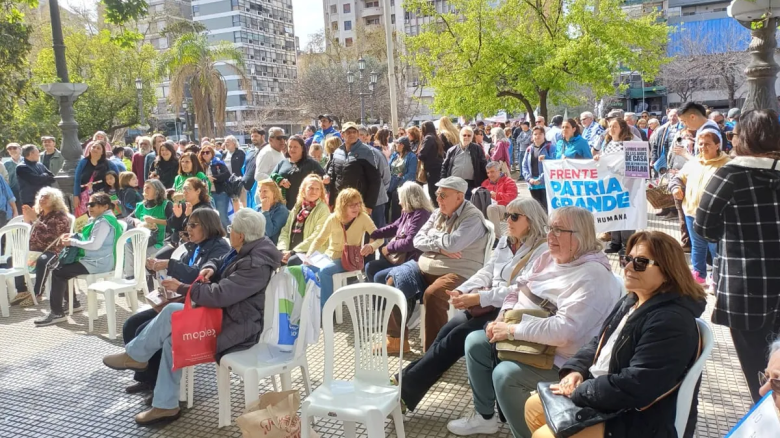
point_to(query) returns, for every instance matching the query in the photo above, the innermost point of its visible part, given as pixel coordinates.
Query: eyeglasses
(775, 383)
(640, 263)
(192, 224)
(730, 135)
(441, 195)
(557, 231)
(186, 189)
(514, 216)
(207, 153)
(92, 204)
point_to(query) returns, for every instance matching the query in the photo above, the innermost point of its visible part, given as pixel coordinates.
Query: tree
(109, 104)
(322, 79)
(192, 64)
(487, 55)
(14, 48)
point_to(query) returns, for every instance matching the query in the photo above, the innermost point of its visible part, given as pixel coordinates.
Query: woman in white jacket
(481, 296)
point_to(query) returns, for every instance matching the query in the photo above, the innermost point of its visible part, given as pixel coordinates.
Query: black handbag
(234, 185)
(564, 417)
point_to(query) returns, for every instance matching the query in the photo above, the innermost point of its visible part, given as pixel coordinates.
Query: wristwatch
(510, 332)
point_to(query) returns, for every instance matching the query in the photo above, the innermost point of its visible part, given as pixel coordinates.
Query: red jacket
(505, 188)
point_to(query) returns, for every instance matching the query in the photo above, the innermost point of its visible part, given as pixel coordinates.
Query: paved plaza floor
(53, 383)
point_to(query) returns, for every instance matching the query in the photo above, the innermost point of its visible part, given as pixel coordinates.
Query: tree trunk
(543, 104)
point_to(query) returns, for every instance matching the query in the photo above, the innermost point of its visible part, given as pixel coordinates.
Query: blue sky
(307, 15)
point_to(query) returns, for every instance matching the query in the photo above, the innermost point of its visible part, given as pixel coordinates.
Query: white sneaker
(473, 424)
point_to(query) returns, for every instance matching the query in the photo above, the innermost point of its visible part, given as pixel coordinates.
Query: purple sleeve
(406, 244)
(388, 230)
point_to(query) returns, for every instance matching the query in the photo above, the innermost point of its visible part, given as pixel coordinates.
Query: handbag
(566, 419)
(194, 333)
(421, 177)
(396, 258)
(351, 259)
(529, 353)
(274, 415)
(234, 185)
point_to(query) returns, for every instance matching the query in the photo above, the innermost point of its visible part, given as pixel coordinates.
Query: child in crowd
(316, 152)
(112, 187)
(127, 195)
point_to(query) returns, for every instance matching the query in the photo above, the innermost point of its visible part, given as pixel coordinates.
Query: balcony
(370, 12)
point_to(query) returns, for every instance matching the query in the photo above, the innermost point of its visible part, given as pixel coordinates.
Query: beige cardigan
(332, 232)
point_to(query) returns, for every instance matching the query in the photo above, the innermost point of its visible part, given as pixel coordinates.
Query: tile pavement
(53, 384)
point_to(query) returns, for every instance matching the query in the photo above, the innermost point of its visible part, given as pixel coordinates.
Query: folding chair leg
(111, 313)
(286, 379)
(223, 394)
(71, 293)
(251, 391)
(30, 287)
(190, 385)
(4, 304)
(306, 381)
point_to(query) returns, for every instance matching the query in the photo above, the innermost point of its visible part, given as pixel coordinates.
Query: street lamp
(139, 86)
(761, 18)
(373, 77)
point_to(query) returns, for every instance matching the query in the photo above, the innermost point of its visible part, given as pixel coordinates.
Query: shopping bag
(194, 333)
(274, 415)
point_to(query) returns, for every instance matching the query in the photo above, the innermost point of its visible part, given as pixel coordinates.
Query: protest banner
(761, 422)
(637, 159)
(617, 202)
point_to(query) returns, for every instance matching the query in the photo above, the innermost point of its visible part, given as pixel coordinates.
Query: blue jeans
(157, 336)
(222, 202)
(377, 270)
(378, 215)
(326, 279)
(699, 248)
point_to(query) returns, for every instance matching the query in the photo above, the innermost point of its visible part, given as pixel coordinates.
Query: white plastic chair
(339, 281)
(16, 220)
(17, 246)
(488, 254)
(139, 238)
(685, 391)
(187, 385)
(370, 397)
(263, 361)
(72, 220)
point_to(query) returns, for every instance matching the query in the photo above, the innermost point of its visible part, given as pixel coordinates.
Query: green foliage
(110, 102)
(516, 54)
(121, 11)
(14, 49)
(178, 28)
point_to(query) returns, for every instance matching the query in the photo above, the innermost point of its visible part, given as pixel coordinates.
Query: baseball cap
(454, 183)
(325, 116)
(47, 137)
(349, 125)
(734, 112)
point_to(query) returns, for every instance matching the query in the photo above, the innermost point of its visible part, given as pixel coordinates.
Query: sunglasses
(514, 216)
(774, 383)
(93, 204)
(640, 263)
(192, 224)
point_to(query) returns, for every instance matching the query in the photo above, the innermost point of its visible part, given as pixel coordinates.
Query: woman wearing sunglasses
(643, 351)
(218, 173)
(480, 297)
(562, 300)
(96, 255)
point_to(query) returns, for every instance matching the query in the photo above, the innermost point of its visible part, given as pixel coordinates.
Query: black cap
(325, 116)
(404, 141)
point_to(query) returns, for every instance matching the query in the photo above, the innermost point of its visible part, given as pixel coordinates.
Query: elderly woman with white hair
(770, 378)
(480, 297)
(236, 283)
(49, 220)
(559, 304)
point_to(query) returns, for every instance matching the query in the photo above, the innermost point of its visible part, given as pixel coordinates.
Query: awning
(636, 93)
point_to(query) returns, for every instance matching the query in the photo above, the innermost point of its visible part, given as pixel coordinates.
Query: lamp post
(139, 88)
(65, 93)
(761, 18)
(187, 119)
(372, 79)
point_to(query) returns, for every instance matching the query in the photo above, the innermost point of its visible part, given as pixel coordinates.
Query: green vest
(157, 212)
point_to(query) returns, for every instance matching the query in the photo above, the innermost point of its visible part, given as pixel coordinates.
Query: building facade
(263, 30)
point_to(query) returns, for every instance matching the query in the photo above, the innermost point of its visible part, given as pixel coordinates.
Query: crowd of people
(611, 343)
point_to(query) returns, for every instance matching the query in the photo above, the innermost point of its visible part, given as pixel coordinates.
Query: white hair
(498, 133)
(56, 199)
(631, 116)
(651, 121)
(533, 211)
(231, 138)
(412, 197)
(583, 223)
(715, 114)
(250, 223)
(492, 164)
(586, 115)
(775, 347)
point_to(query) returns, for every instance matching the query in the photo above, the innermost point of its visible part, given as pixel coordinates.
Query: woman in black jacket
(291, 171)
(644, 351)
(218, 173)
(196, 196)
(166, 166)
(431, 155)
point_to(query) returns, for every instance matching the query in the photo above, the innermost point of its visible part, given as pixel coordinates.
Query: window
(348, 42)
(334, 25)
(348, 25)
(372, 21)
(347, 8)
(334, 9)
(392, 18)
(372, 4)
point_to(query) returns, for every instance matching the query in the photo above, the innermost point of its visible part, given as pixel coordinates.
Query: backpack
(481, 200)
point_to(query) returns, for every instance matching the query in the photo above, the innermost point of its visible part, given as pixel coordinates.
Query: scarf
(86, 232)
(300, 219)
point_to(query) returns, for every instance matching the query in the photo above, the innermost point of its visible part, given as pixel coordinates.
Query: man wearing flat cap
(327, 129)
(354, 165)
(453, 242)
